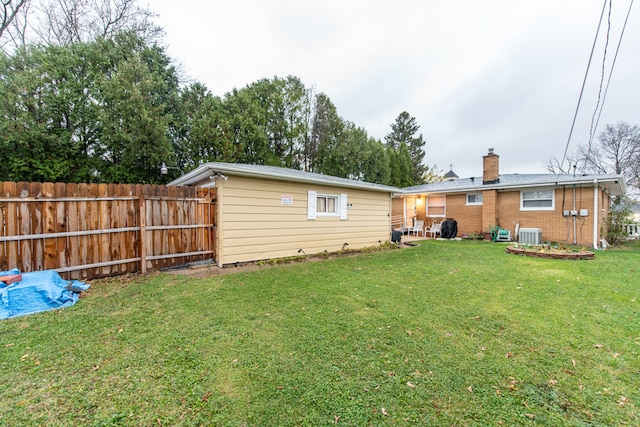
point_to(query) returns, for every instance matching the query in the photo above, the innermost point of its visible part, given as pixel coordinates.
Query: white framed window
(327, 205)
(474, 199)
(319, 205)
(537, 200)
(436, 206)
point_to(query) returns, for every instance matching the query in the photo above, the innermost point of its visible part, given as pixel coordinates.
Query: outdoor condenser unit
(530, 236)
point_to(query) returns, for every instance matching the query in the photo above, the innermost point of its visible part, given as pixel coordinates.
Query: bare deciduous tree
(10, 9)
(553, 165)
(63, 22)
(616, 152)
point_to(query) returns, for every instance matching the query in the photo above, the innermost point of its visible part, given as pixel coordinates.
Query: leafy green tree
(134, 139)
(48, 119)
(375, 164)
(201, 130)
(432, 174)
(281, 107)
(86, 112)
(326, 133)
(615, 226)
(404, 130)
(400, 166)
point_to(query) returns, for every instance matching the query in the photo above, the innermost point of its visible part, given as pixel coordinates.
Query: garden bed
(540, 252)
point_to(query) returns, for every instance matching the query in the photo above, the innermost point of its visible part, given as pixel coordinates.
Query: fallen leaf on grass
(574, 363)
(530, 416)
(598, 346)
(336, 418)
(410, 384)
(384, 412)
(206, 396)
(508, 355)
(552, 382)
(622, 400)
(470, 389)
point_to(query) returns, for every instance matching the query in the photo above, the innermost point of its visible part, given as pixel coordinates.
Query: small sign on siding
(286, 199)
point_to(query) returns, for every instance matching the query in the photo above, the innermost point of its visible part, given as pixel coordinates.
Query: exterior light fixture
(164, 169)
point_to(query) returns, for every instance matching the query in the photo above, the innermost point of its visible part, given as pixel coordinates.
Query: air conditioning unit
(530, 236)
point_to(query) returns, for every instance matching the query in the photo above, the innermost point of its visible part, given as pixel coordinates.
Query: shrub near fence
(86, 231)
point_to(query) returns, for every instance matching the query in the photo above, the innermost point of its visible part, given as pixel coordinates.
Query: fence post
(143, 247)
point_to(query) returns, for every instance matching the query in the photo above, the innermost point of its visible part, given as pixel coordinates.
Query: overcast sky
(505, 74)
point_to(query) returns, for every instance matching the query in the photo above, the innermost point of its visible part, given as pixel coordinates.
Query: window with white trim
(474, 199)
(436, 206)
(326, 205)
(537, 200)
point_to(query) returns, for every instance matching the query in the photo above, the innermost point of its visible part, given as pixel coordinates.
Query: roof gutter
(203, 172)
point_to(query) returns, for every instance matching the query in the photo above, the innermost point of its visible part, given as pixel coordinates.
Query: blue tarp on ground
(38, 291)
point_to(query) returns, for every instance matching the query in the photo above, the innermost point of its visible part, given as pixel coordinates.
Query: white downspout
(575, 217)
(595, 213)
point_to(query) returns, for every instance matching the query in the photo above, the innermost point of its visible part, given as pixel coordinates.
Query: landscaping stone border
(548, 254)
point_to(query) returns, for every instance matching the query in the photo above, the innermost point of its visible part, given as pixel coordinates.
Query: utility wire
(602, 73)
(584, 82)
(613, 63)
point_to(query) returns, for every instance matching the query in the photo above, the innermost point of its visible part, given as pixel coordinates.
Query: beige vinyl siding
(255, 225)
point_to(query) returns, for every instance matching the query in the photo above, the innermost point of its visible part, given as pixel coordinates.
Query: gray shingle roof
(614, 183)
(202, 173)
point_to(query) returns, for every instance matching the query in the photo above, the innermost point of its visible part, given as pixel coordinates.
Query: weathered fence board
(86, 231)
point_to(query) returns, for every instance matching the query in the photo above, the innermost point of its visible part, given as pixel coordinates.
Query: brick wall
(502, 208)
(555, 227)
(469, 218)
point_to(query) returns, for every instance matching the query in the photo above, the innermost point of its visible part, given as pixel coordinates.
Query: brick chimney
(490, 168)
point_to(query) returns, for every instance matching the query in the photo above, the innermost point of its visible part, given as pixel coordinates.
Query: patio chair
(433, 229)
(418, 227)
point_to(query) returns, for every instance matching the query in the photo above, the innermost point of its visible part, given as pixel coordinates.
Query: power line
(584, 82)
(613, 63)
(602, 73)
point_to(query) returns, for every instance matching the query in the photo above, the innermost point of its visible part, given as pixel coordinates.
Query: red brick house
(563, 208)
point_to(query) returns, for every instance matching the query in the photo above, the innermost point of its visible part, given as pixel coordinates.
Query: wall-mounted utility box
(584, 212)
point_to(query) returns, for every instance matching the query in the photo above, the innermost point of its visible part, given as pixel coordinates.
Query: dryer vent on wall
(530, 236)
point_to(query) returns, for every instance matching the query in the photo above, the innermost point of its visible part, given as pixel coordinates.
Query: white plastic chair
(434, 228)
(418, 227)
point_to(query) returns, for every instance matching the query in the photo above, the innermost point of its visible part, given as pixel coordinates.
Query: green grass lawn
(446, 333)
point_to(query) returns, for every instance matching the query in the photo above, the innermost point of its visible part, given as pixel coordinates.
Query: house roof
(613, 184)
(451, 175)
(204, 172)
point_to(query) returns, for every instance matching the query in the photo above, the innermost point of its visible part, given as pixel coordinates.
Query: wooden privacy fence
(85, 231)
